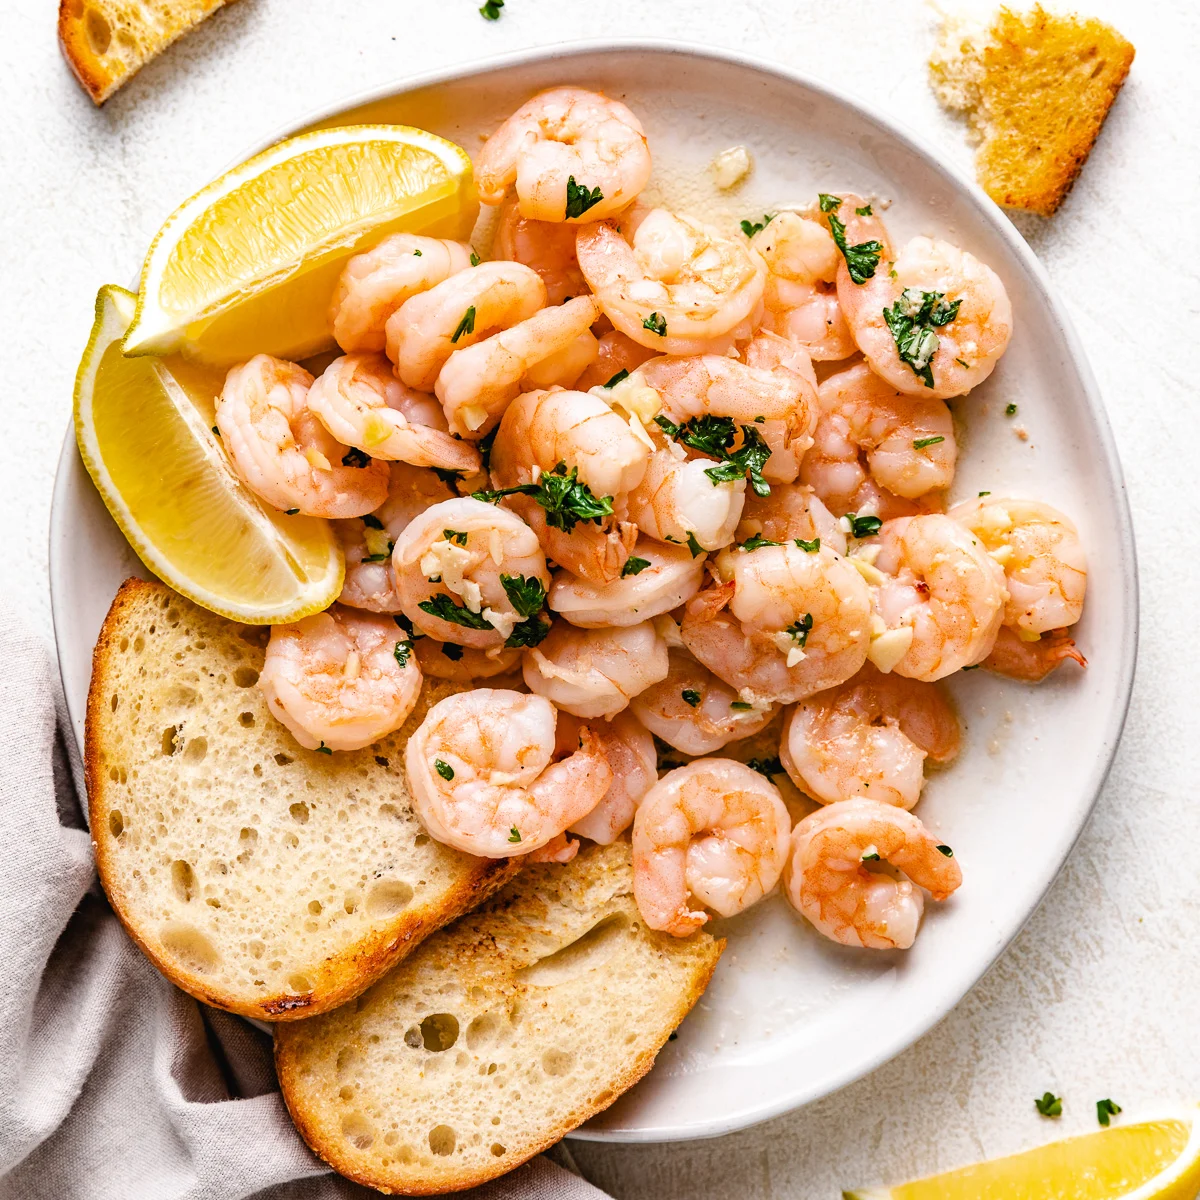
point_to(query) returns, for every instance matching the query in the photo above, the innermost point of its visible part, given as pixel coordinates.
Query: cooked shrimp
(791, 511)
(483, 778)
(460, 311)
(829, 880)
(927, 282)
(656, 579)
(614, 353)
(798, 622)
(630, 752)
(565, 436)
(780, 405)
(595, 672)
(941, 601)
(340, 679)
(869, 737)
(1031, 662)
(548, 247)
(800, 295)
(873, 442)
(679, 288)
(468, 572)
(574, 156)
(713, 832)
(367, 542)
(694, 711)
(361, 403)
(1045, 569)
(478, 383)
(374, 284)
(283, 453)
(464, 664)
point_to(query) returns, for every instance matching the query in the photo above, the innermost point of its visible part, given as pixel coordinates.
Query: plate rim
(1126, 552)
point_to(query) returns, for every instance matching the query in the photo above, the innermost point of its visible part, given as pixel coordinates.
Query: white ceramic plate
(790, 1017)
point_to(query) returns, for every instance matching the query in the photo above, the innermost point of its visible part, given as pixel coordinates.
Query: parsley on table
(690, 696)
(811, 547)
(863, 527)
(1049, 1105)
(756, 542)
(356, 458)
(491, 10)
(912, 320)
(1105, 1110)
(559, 492)
(766, 766)
(444, 608)
(799, 630)
(750, 228)
(634, 566)
(525, 594)
(921, 443)
(621, 374)
(444, 769)
(466, 325)
(402, 651)
(579, 199)
(861, 259)
(656, 323)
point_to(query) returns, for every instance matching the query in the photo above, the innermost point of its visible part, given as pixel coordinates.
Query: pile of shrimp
(643, 484)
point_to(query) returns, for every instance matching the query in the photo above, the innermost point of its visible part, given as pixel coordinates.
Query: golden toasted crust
(335, 969)
(557, 998)
(107, 41)
(1037, 88)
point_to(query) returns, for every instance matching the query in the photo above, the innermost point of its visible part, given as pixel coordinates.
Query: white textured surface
(1097, 997)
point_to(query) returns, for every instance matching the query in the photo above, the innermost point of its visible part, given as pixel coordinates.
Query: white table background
(1099, 996)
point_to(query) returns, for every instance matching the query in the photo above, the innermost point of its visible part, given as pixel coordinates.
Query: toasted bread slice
(498, 1035)
(106, 41)
(262, 878)
(1036, 88)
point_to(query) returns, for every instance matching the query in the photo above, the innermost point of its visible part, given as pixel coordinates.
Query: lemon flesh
(144, 427)
(1152, 1160)
(248, 264)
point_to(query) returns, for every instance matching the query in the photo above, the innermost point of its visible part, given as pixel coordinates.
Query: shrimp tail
(560, 849)
(706, 605)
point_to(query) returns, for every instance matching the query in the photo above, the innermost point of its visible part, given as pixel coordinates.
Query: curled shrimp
(548, 438)
(873, 443)
(800, 294)
(694, 711)
(367, 541)
(340, 679)
(941, 601)
(829, 877)
(679, 288)
(713, 832)
(464, 664)
(547, 247)
(789, 622)
(481, 771)
(458, 312)
(614, 353)
(374, 284)
(283, 453)
(1031, 662)
(479, 382)
(1045, 569)
(779, 405)
(630, 752)
(595, 672)
(661, 578)
(959, 354)
(561, 143)
(869, 737)
(467, 572)
(361, 403)
(791, 511)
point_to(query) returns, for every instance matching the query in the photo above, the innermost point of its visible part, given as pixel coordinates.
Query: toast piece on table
(498, 1035)
(1036, 88)
(261, 877)
(107, 41)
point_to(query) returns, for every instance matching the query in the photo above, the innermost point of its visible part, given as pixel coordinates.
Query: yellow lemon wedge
(1154, 1159)
(249, 263)
(145, 431)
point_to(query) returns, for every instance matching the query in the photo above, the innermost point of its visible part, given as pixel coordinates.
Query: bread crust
(338, 978)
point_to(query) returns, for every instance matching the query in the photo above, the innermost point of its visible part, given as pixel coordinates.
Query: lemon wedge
(248, 264)
(144, 427)
(1156, 1159)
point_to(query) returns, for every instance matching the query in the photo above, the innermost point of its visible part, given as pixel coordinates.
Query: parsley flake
(324, 749)
(963, 364)
(634, 566)
(474, 259)
(444, 608)
(491, 10)
(861, 259)
(865, 211)
(985, 493)
(528, 633)
(356, 458)
(1048, 1104)
(946, 851)
(452, 652)
(466, 325)
(526, 595)
(694, 546)
(912, 320)
(690, 696)
(457, 536)
(579, 199)
(871, 855)
(750, 228)
(402, 651)
(756, 542)
(371, 521)
(800, 629)
(621, 374)
(216, 431)
(921, 443)
(290, 512)
(448, 477)
(863, 527)
(417, 254)
(559, 492)
(667, 426)
(765, 766)
(444, 769)
(1106, 1110)
(811, 547)
(1010, 410)
(380, 557)
(656, 323)
(514, 834)
(740, 706)
(485, 444)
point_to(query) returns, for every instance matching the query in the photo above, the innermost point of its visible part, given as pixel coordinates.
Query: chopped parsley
(371, 521)
(667, 426)
(750, 228)
(579, 199)
(1010, 410)
(417, 254)
(528, 633)
(963, 364)
(381, 557)
(690, 696)
(452, 652)
(290, 512)
(216, 431)
(356, 458)
(485, 444)
(444, 608)
(406, 625)
(448, 477)
(1049, 1105)
(863, 527)
(324, 749)
(921, 443)
(559, 492)
(912, 320)
(870, 855)
(756, 542)
(865, 211)
(799, 630)
(693, 545)
(444, 769)
(740, 705)
(973, 667)
(946, 851)
(457, 536)
(861, 259)
(656, 323)
(526, 595)
(402, 651)
(474, 258)
(765, 766)
(985, 493)
(514, 834)
(715, 436)
(621, 374)
(634, 566)
(747, 461)
(491, 10)
(811, 547)
(466, 325)
(1106, 1110)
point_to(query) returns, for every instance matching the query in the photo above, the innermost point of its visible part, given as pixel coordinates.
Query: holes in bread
(346, 1093)
(586, 953)
(139, 642)
(357, 1130)
(390, 812)
(246, 719)
(247, 840)
(195, 750)
(116, 822)
(245, 677)
(351, 902)
(389, 897)
(482, 1030)
(381, 760)
(190, 948)
(412, 1038)
(498, 1150)
(183, 880)
(170, 740)
(347, 1057)
(299, 812)
(557, 1062)
(257, 949)
(114, 702)
(284, 760)
(439, 1032)
(442, 1140)
(300, 984)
